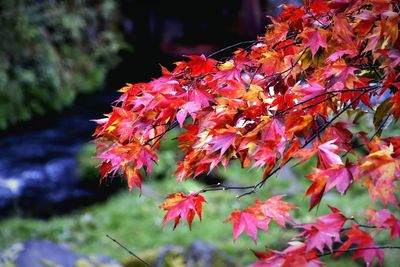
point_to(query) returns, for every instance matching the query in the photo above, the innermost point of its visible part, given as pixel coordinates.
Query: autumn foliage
(294, 94)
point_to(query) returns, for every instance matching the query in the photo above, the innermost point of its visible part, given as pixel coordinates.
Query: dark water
(38, 160)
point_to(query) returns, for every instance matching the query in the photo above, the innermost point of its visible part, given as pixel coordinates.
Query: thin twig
(222, 187)
(129, 251)
(323, 127)
(380, 128)
(255, 73)
(159, 136)
(355, 249)
(231, 46)
(295, 63)
(362, 89)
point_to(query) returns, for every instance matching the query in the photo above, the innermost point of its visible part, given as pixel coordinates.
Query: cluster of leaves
(53, 50)
(282, 98)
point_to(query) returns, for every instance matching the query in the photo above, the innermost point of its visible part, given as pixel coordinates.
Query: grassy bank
(136, 222)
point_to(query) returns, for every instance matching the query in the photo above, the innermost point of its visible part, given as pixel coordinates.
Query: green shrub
(51, 51)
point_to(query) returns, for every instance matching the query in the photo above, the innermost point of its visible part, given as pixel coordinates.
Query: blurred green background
(51, 51)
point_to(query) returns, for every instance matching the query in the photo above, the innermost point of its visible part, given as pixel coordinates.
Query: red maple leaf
(248, 222)
(295, 255)
(198, 65)
(181, 206)
(327, 154)
(337, 176)
(324, 231)
(384, 219)
(314, 39)
(381, 171)
(364, 243)
(222, 141)
(276, 209)
(259, 216)
(133, 177)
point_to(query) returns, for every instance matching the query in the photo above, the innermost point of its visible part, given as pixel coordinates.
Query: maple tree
(294, 94)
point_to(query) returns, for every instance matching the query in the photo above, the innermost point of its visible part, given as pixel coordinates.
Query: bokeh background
(61, 64)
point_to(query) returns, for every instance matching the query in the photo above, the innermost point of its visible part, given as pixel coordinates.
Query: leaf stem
(232, 46)
(355, 249)
(129, 251)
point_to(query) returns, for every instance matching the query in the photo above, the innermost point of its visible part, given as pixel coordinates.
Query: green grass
(136, 221)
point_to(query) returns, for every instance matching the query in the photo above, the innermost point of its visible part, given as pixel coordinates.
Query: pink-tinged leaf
(133, 177)
(200, 97)
(327, 155)
(390, 25)
(341, 177)
(384, 219)
(144, 102)
(343, 30)
(343, 136)
(233, 89)
(273, 131)
(338, 54)
(381, 172)
(337, 176)
(315, 40)
(295, 255)
(276, 209)
(145, 159)
(189, 108)
(264, 156)
(222, 142)
(361, 240)
(324, 231)
(181, 206)
(312, 90)
(248, 222)
(181, 116)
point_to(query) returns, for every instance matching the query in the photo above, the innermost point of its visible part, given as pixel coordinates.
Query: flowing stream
(38, 160)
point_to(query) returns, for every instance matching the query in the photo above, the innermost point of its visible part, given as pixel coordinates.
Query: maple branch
(319, 102)
(380, 128)
(291, 35)
(285, 46)
(159, 136)
(362, 89)
(255, 73)
(129, 251)
(355, 249)
(295, 63)
(359, 224)
(222, 187)
(316, 19)
(323, 127)
(232, 46)
(276, 74)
